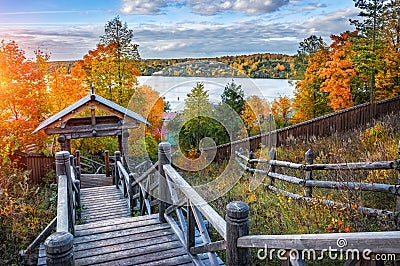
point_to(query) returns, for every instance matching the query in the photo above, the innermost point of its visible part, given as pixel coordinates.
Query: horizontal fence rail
(307, 182)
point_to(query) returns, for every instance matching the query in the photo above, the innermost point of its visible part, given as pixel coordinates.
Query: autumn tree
(112, 67)
(309, 101)
(388, 79)
(281, 109)
(338, 72)
(24, 98)
(307, 48)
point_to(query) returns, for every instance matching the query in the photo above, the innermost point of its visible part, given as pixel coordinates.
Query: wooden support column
(237, 225)
(164, 157)
(107, 162)
(120, 142)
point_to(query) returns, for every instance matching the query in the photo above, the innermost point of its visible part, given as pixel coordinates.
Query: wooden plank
(209, 247)
(178, 260)
(377, 242)
(122, 239)
(115, 222)
(116, 233)
(135, 256)
(111, 248)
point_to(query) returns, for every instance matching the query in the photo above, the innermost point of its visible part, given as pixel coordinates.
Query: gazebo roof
(87, 102)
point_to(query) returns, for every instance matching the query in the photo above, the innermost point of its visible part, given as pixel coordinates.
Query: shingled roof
(85, 103)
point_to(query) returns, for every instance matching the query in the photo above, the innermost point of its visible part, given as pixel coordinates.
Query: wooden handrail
(212, 216)
(377, 242)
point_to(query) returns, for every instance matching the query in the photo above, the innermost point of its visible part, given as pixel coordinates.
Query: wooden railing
(59, 245)
(187, 212)
(308, 183)
(136, 183)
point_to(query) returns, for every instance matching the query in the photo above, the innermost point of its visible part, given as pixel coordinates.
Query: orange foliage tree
(309, 101)
(24, 98)
(281, 109)
(338, 72)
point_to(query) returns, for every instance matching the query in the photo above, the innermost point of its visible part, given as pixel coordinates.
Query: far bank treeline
(261, 65)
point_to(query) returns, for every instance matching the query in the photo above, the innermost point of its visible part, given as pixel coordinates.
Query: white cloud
(203, 7)
(142, 6)
(250, 7)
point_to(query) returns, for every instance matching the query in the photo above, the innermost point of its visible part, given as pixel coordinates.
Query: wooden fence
(38, 164)
(340, 121)
(186, 211)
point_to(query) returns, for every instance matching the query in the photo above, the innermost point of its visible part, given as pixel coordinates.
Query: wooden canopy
(70, 127)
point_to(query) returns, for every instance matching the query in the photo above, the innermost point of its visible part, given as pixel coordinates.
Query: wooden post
(190, 227)
(77, 183)
(120, 143)
(78, 158)
(63, 167)
(107, 162)
(116, 177)
(398, 183)
(237, 225)
(251, 157)
(272, 156)
(60, 249)
(61, 139)
(309, 158)
(164, 157)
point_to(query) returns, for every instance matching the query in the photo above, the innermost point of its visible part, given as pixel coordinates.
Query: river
(175, 89)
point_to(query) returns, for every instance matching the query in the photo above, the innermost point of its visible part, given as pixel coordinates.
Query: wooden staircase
(109, 235)
(95, 180)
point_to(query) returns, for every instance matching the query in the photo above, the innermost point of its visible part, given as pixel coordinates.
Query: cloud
(250, 7)
(203, 7)
(142, 7)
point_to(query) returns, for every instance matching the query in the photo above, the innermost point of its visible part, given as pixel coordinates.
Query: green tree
(307, 48)
(368, 41)
(233, 95)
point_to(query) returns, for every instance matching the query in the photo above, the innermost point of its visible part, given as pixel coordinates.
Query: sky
(67, 30)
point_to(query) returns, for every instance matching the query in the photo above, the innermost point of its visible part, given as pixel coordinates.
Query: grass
(272, 213)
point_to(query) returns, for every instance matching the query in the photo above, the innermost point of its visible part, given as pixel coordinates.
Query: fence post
(60, 249)
(309, 158)
(251, 157)
(237, 225)
(164, 157)
(272, 156)
(107, 162)
(116, 177)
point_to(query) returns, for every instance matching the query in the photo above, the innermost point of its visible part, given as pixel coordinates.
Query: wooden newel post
(164, 157)
(237, 225)
(309, 158)
(116, 177)
(60, 249)
(78, 164)
(107, 162)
